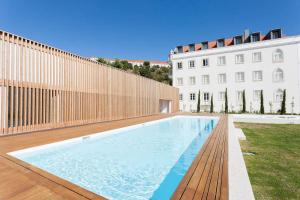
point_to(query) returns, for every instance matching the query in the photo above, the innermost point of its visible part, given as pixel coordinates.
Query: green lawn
(274, 170)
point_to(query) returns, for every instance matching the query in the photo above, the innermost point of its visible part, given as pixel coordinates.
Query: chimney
(247, 33)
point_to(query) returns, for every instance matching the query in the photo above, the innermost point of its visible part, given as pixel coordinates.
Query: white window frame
(238, 59)
(205, 62)
(256, 78)
(179, 66)
(206, 97)
(191, 64)
(178, 82)
(256, 95)
(222, 80)
(278, 56)
(221, 61)
(254, 58)
(276, 77)
(237, 77)
(205, 79)
(192, 96)
(278, 92)
(194, 80)
(180, 97)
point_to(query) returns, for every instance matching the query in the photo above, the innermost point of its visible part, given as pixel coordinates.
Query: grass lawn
(275, 169)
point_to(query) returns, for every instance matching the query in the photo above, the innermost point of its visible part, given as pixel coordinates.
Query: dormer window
(238, 40)
(220, 43)
(180, 49)
(275, 34)
(255, 37)
(204, 45)
(192, 47)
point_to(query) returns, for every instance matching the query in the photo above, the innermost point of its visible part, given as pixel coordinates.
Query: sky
(142, 29)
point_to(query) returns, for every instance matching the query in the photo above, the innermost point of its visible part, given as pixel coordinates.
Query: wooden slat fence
(42, 87)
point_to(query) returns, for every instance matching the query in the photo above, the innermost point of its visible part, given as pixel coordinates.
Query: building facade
(254, 63)
(42, 87)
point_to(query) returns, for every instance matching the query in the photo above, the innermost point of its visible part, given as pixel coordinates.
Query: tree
(101, 60)
(212, 104)
(244, 102)
(198, 103)
(262, 108)
(226, 101)
(283, 109)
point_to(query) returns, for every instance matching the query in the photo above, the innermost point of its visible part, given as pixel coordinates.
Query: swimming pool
(145, 161)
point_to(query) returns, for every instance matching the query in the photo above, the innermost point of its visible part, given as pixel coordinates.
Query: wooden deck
(206, 178)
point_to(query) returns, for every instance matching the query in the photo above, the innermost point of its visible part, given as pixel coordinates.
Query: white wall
(291, 67)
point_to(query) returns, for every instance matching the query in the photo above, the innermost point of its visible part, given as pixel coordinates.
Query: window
(256, 95)
(191, 64)
(204, 45)
(256, 57)
(257, 76)
(221, 78)
(221, 60)
(179, 81)
(221, 96)
(278, 75)
(206, 96)
(179, 65)
(278, 55)
(192, 47)
(275, 34)
(239, 76)
(255, 37)
(180, 97)
(238, 40)
(220, 43)
(180, 49)
(205, 79)
(205, 62)
(239, 59)
(239, 96)
(192, 80)
(278, 95)
(192, 96)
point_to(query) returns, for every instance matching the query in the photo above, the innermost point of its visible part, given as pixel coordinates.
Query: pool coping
(68, 185)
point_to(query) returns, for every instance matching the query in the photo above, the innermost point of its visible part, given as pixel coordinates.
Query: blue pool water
(145, 161)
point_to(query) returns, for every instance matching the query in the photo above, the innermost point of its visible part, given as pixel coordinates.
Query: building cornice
(237, 48)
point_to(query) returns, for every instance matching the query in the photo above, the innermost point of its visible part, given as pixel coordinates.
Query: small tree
(244, 102)
(283, 109)
(198, 103)
(226, 101)
(262, 108)
(101, 60)
(212, 104)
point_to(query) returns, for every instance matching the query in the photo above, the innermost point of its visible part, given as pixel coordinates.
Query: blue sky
(141, 29)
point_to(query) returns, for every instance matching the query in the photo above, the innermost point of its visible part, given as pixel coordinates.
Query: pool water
(145, 161)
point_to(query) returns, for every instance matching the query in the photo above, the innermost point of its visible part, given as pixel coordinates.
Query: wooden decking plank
(209, 170)
(186, 179)
(212, 187)
(203, 184)
(194, 181)
(224, 184)
(224, 162)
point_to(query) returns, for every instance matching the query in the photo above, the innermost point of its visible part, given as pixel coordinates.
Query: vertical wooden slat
(43, 87)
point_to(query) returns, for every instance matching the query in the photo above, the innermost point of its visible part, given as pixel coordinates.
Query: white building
(250, 62)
